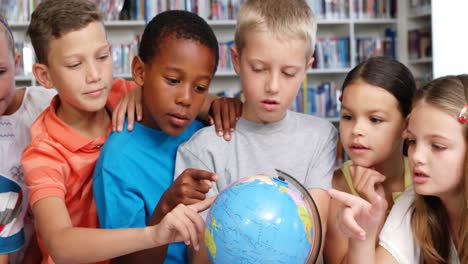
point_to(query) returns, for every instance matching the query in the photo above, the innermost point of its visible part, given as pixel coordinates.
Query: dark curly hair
(181, 25)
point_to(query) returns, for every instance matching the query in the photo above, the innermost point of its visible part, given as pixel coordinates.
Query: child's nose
(273, 84)
(184, 95)
(358, 129)
(416, 154)
(92, 73)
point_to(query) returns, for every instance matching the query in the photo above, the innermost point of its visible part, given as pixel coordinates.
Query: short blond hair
(284, 19)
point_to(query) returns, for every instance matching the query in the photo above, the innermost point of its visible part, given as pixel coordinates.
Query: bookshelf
(417, 37)
(348, 31)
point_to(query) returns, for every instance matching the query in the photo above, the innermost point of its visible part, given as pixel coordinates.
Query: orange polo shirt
(59, 162)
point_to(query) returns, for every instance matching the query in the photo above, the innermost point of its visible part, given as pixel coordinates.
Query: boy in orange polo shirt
(74, 57)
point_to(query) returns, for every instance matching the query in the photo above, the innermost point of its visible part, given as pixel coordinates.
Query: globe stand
(315, 251)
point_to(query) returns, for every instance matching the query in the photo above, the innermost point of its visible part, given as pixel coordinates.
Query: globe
(263, 219)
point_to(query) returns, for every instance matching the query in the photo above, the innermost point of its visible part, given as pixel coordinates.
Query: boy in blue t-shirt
(176, 61)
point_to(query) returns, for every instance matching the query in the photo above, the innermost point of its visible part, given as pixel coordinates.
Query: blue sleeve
(118, 202)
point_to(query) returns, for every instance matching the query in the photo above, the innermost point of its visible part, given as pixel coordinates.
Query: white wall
(450, 37)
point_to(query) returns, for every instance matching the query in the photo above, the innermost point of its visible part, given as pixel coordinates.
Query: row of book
(322, 101)
(208, 9)
(340, 9)
(374, 9)
(122, 56)
(330, 9)
(373, 46)
(20, 10)
(225, 62)
(419, 43)
(332, 53)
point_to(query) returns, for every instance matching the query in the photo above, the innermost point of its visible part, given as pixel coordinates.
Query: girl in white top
(427, 224)
(18, 109)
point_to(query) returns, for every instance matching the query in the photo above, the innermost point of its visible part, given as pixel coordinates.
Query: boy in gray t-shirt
(273, 49)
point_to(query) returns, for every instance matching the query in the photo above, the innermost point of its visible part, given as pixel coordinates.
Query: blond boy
(274, 43)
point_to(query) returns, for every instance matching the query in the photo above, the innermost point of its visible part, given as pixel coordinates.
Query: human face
(8, 70)
(175, 83)
(271, 72)
(80, 68)
(437, 151)
(371, 124)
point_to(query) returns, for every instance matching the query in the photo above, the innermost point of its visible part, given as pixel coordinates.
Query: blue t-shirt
(133, 171)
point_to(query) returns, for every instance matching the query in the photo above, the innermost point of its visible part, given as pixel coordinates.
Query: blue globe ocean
(259, 219)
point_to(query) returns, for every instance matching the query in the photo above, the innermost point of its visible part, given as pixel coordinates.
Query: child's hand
(130, 104)
(359, 218)
(183, 223)
(367, 182)
(189, 188)
(224, 113)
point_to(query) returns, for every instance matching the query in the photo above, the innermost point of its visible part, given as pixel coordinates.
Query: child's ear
(17, 62)
(138, 71)
(310, 62)
(235, 59)
(41, 72)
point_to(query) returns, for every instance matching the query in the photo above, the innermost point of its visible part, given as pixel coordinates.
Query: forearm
(152, 255)
(83, 245)
(361, 252)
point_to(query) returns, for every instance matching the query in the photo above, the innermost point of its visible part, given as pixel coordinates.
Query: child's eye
(172, 81)
(289, 75)
(200, 88)
(438, 147)
(2, 71)
(411, 141)
(346, 117)
(103, 57)
(257, 69)
(74, 65)
(376, 120)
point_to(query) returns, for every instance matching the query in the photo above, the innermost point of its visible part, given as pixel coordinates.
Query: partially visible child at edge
(274, 43)
(74, 57)
(428, 224)
(376, 100)
(18, 109)
(177, 59)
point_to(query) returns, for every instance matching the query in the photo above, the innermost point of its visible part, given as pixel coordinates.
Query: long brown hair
(429, 220)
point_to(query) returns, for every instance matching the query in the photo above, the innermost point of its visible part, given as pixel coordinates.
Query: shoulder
(403, 204)
(119, 140)
(39, 96)
(398, 221)
(395, 235)
(204, 138)
(120, 148)
(313, 125)
(35, 100)
(194, 127)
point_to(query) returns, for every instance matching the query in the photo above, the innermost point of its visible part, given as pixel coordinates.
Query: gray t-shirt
(301, 145)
